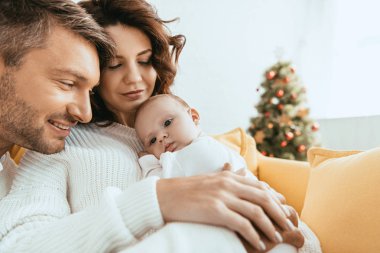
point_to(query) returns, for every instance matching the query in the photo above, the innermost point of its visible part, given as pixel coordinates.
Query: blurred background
(333, 44)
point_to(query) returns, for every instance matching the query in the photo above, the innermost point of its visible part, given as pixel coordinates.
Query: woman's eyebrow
(141, 53)
(145, 51)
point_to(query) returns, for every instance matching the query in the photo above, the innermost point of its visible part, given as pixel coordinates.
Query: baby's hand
(142, 153)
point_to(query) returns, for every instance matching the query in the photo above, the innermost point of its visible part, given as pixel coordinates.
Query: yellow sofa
(337, 193)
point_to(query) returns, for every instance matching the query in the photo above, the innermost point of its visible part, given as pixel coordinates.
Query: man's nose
(80, 108)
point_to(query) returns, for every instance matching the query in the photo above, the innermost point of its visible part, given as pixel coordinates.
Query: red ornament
(280, 106)
(301, 148)
(280, 93)
(289, 136)
(270, 75)
(286, 79)
(264, 153)
(267, 114)
(315, 127)
(283, 144)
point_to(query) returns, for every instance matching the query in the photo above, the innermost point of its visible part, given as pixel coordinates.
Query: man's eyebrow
(71, 72)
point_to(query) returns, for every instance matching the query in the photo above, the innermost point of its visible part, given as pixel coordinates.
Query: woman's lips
(133, 95)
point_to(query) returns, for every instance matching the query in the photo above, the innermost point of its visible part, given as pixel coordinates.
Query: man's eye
(167, 122)
(153, 140)
(67, 83)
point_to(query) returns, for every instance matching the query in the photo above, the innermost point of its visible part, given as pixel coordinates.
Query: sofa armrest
(288, 177)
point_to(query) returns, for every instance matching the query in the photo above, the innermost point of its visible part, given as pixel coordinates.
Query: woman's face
(130, 77)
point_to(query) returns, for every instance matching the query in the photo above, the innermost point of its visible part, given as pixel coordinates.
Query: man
(49, 62)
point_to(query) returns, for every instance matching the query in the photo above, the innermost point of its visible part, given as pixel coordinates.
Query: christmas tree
(282, 128)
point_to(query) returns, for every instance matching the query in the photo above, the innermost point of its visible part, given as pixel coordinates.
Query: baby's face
(166, 125)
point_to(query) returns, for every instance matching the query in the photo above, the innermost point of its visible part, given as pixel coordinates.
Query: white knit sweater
(7, 171)
(86, 199)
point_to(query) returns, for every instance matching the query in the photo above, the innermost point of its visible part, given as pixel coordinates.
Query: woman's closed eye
(146, 62)
(114, 66)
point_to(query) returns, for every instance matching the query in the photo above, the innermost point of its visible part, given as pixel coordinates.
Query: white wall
(354, 133)
(231, 43)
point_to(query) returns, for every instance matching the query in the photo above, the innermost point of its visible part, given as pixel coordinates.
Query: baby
(175, 146)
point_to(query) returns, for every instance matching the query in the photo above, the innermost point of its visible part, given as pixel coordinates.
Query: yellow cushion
(288, 177)
(342, 203)
(245, 145)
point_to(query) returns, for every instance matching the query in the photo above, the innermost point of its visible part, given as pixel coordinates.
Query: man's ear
(195, 116)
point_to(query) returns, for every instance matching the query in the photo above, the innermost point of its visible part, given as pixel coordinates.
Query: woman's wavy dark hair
(141, 15)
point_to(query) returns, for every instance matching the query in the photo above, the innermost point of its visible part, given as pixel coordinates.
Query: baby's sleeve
(150, 166)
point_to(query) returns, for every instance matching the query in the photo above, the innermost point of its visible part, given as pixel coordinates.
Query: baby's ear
(195, 116)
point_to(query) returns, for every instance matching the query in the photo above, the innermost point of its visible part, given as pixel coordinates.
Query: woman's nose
(132, 74)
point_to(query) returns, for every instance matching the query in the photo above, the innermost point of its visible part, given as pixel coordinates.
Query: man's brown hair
(26, 24)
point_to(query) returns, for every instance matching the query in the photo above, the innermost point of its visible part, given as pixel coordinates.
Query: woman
(86, 199)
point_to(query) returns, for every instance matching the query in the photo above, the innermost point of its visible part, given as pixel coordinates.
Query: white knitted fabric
(312, 244)
(46, 189)
(7, 171)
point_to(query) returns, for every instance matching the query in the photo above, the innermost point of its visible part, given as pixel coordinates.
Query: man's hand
(224, 199)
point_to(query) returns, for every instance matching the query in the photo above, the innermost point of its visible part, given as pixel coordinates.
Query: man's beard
(19, 121)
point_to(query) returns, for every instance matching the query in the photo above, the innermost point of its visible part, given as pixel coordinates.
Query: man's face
(48, 93)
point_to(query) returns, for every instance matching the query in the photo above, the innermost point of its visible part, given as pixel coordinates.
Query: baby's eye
(153, 140)
(167, 122)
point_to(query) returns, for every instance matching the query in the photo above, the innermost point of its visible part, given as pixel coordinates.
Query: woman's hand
(293, 237)
(224, 199)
